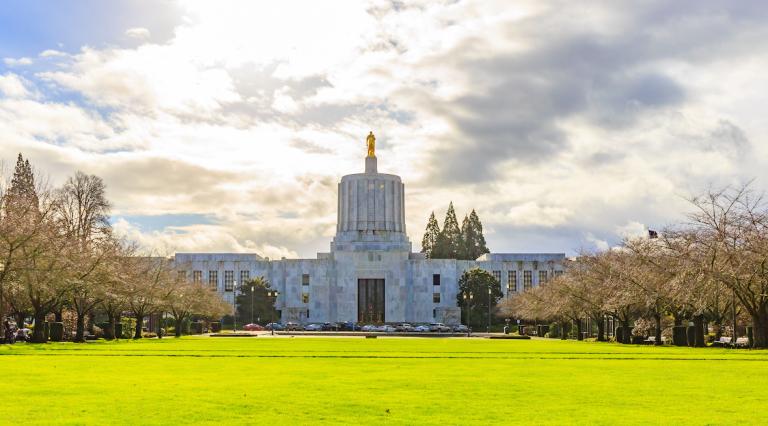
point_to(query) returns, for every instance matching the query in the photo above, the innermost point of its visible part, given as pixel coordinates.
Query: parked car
(385, 328)
(313, 327)
(439, 327)
(292, 326)
(274, 326)
(368, 327)
(421, 328)
(348, 326)
(461, 328)
(404, 327)
(327, 326)
(253, 327)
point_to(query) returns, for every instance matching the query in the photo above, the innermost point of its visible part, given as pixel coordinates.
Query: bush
(148, 335)
(197, 327)
(215, 327)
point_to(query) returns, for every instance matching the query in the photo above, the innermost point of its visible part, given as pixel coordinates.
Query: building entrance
(370, 300)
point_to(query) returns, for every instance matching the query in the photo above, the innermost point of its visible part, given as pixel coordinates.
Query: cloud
(138, 33)
(563, 126)
(12, 86)
(14, 62)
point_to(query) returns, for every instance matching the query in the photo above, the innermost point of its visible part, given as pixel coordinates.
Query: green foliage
(22, 195)
(465, 243)
(431, 235)
(477, 282)
(263, 305)
(449, 239)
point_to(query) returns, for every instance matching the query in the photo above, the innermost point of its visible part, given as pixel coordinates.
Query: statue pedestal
(370, 165)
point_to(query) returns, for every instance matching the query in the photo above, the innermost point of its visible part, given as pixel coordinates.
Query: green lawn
(365, 381)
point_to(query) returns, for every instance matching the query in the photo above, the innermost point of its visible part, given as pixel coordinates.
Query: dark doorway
(370, 300)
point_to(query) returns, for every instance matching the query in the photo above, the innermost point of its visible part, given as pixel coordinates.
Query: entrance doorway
(370, 300)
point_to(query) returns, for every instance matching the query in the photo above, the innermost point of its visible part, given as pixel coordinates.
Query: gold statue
(371, 141)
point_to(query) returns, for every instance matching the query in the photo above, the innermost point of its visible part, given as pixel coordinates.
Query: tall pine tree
(21, 198)
(450, 237)
(467, 239)
(431, 235)
(477, 247)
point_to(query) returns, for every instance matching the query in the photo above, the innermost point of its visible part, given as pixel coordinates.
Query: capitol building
(370, 274)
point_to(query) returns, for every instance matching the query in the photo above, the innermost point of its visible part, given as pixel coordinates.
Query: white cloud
(12, 86)
(12, 62)
(138, 33)
(49, 53)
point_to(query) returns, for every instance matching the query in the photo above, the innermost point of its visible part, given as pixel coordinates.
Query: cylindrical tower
(371, 209)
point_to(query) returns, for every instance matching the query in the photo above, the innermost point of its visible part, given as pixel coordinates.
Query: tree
(431, 235)
(449, 239)
(478, 283)
(472, 241)
(263, 305)
(82, 211)
(185, 298)
(145, 289)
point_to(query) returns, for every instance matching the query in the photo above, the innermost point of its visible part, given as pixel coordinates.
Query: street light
(252, 289)
(489, 309)
(273, 293)
(234, 307)
(468, 296)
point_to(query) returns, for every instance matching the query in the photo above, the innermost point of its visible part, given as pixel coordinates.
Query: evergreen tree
(450, 237)
(431, 235)
(21, 197)
(477, 247)
(467, 239)
(477, 283)
(263, 305)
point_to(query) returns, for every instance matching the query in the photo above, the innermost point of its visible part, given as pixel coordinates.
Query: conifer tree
(21, 197)
(450, 236)
(467, 239)
(478, 246)
(431, 236)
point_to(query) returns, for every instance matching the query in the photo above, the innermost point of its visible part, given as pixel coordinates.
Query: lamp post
(252, 289)
(273, 293)
(234, 306)
(468, 298)
(489, 309)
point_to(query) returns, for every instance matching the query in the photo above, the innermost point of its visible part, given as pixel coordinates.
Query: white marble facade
(370, 243)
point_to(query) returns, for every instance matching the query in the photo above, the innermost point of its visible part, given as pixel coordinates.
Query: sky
(226, 126)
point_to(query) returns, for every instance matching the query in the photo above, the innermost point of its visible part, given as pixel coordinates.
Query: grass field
(387, 380)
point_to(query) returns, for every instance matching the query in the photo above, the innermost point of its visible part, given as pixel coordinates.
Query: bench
(741, 342)
(652, 340)
(722, 342)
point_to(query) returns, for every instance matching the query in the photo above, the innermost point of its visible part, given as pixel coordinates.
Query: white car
(421, 328)
(368, 327)
(439, 327)
(313, 327)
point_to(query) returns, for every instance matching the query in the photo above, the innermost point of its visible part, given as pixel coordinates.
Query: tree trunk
(579, 335)
(760, 330)
(563, 330)
(59, 316)
(600, 330)
(109, 332)
(657, 319)
(698, 336)
(177, 326)
(626, 336)
(139, 324)
(80, 329)
(20, 319)
(91, 318)
(38, 334)
(718, 329)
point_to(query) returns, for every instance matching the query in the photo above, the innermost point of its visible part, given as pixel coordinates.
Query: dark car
(292, 326)
(327, 326)
(348, 326)
(274, 326)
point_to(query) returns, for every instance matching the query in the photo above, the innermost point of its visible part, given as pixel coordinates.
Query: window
(305, 279)
(229, 280)
(197, 277)
(435, 279)
(511, 281)
(527, 280)
(213, 279)
(182, 275)
(435, 297)
(542, 277)
(558, 273)
(244, 277)
(497, 275)
(304, 297)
